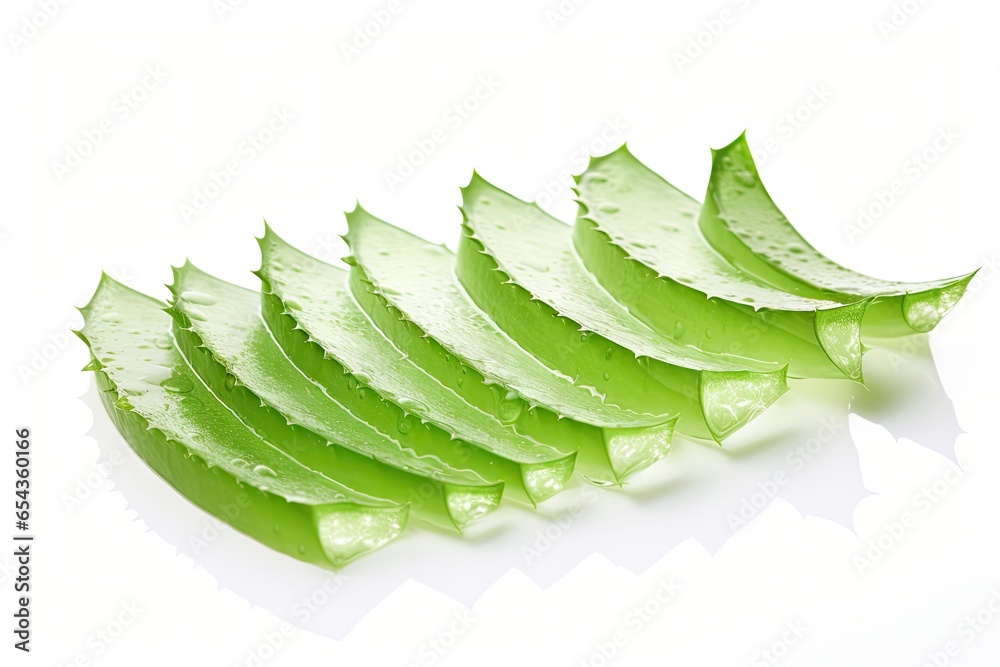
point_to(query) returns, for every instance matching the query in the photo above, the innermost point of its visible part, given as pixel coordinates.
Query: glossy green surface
(309, 308)
(332, 406)
(409, 289)
(745, 226)
(518, 265)
(176, 424)
(638, 235)
(219, 329)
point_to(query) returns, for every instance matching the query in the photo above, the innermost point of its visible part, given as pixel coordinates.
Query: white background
(883, 80)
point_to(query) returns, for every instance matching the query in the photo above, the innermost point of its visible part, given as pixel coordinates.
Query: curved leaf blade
(518, 265)
(310, 310)
(745, 225)
(408, 287)
(199, 447)
(220, 332)
(638, 235)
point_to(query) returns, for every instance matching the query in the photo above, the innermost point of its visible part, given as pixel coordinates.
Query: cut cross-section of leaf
(517, 264)
(744, 225)
(181, 430)
(638, 236)
(218, 328)
(309, 308)
(408, 288)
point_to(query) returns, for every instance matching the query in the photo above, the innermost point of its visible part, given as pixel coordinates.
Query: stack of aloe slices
(431, 385)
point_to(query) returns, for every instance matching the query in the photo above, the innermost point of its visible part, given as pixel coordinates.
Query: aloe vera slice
(179, 428)
(218, 328)
(744, 225)
(638, 235)
(408, 288)
(517, 264)
(309, 309)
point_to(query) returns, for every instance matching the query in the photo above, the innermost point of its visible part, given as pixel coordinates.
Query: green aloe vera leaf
(744, 225)
(638, 235)
(309, 309)
(218, 328)
(517, 264)
(181, 430)
(408, 288)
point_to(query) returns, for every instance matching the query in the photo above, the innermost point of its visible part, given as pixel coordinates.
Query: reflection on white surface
(800, 450)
